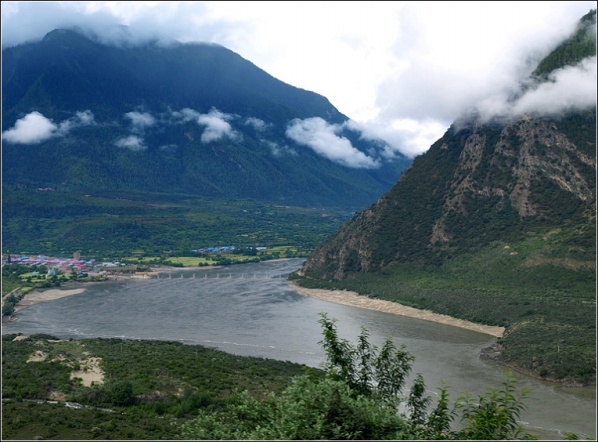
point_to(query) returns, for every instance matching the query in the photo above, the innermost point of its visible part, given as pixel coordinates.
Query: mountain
(187, 118)
(495, 223)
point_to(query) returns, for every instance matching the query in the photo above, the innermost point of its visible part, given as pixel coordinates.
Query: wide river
(250, 310)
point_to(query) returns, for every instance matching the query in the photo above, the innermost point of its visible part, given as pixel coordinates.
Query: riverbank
(35, 297)
(355, 300)
(39, 295)
(337, 296)
(71, 288)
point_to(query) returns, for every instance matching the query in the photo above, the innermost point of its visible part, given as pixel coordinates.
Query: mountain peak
(64, 35)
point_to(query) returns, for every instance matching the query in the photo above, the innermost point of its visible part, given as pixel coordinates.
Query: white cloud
(453, 57)
(132, 142)
(185, 115)
(140, 120)
(321, 137)
(569, 88)
(566, 89)
(33, 128)
(405, 136)
(85, 118)
(256, 123)
(216, 126)
(215, 122)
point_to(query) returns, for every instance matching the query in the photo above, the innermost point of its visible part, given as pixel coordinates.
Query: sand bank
(35, 297)
(355, 300)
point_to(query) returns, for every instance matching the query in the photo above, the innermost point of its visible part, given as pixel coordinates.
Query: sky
(400, 71)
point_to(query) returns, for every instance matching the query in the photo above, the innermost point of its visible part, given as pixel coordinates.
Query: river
(250, 310)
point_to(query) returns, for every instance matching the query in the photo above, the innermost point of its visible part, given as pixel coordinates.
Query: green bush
(359, 399)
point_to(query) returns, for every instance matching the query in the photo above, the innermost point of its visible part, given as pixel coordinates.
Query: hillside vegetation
(117, 225)
(123, 389)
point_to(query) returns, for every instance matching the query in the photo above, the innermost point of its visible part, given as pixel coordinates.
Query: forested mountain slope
(79, 115)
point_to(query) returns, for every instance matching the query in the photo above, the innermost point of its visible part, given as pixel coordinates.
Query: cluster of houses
(220, 249)
(214, 249)
(54, 265)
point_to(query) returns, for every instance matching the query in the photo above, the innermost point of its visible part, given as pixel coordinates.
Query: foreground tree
(359, 398)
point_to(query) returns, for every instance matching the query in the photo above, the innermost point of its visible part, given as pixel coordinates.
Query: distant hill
(495, 223)
(79, 115)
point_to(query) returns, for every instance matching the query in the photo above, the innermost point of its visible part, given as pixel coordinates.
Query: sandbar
(35, 297)
(354, 299)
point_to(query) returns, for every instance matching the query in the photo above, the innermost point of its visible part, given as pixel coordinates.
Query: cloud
(169, 148)
(85, 118)
(256, 123)
(279, 151)
(132, 142)
(35, 128)
(216, 126)
(215, 122)
(321, 137)
(450, 61)
(185, 115)
(130, 23)
(140, 120)
(407, 137)
(570, 88)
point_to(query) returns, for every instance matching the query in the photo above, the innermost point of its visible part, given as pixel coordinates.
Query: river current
(250, 310)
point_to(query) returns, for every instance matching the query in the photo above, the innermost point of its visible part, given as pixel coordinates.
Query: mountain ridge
(201, 118)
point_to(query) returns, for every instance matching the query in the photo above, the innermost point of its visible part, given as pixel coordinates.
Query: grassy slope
(170, 382)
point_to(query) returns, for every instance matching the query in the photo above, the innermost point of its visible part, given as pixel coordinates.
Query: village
(44, 267)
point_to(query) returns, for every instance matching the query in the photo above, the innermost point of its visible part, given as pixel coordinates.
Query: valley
(124, 161)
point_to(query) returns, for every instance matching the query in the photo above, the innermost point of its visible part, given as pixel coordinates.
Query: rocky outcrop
(478, 178)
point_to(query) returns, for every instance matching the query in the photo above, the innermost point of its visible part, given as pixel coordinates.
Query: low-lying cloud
(35, 128)
(278, 151)
(217, 126)
(406, 137)
(256, 123)
(132, 142)
(216, 123)
(409, 70)
(322, 138)
(569, 88)
(140, 120)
